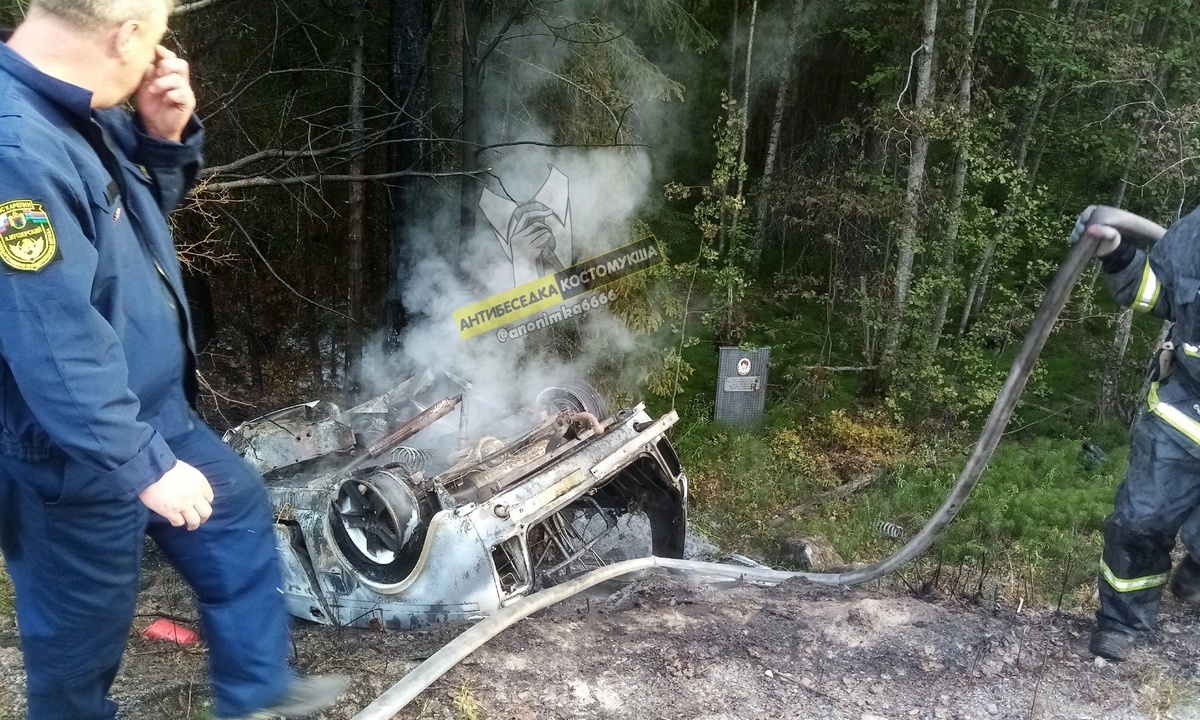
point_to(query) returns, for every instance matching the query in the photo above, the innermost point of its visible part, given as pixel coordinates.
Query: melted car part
(292, 435)
(441, 524)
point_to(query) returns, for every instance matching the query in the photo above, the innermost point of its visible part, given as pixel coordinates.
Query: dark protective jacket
(1166, 282)
(96, 352)
(1157, 500)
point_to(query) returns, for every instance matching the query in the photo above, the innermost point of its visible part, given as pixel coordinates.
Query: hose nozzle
(1126, 223)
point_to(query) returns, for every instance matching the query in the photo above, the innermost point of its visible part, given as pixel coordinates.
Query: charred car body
(399, 513)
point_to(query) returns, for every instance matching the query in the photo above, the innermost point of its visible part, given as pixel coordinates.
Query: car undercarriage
(400, 512)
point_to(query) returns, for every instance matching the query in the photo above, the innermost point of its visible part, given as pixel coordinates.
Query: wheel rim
(369, 521)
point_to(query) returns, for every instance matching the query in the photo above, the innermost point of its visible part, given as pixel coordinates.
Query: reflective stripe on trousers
(1123, 585)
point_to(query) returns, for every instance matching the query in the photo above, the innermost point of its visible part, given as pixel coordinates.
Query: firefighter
(99, 442)
(1158, 499)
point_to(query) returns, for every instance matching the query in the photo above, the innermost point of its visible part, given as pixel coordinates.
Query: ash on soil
(663, 648)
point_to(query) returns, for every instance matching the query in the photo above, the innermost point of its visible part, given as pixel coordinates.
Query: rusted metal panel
(291, 436)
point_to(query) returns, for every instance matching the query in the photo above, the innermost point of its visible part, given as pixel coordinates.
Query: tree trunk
(1036, 164)
(741, 181)
(1110, 394)
(866, 322)
(1025, 134)
(959, 182)
(912, 193)
(773, 144)
(472, 125)
(315, 361)
(1021, 147)
(411, 30)
(724, 230)
(250, 331)
(356, 198)
(733, 47)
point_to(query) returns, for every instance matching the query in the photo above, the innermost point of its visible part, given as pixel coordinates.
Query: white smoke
(608, 188)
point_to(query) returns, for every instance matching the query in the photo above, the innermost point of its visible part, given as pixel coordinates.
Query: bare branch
(483, 56)
(208, 386)
(262, 257)
(263, 181)
(568, 81)
(292, 71)
(372, 141)
(912, 59)
(561, 145)
(273, 154)
(186, 8)
(842, 368)
(557, 31)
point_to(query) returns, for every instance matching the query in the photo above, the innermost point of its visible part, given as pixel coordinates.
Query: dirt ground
(660, 648)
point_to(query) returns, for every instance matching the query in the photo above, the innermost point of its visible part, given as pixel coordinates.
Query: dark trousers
(1156, 502)
(74, 553)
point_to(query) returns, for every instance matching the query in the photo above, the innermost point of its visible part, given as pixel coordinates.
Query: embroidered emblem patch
(27, 239)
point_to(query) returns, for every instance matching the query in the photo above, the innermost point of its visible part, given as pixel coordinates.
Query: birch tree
(781, 101)
(971, 30)
(741, 180)
(911, 219)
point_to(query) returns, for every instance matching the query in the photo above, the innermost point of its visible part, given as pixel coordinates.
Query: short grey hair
(99, 14)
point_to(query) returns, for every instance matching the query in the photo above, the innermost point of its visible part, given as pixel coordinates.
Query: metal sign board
(742, 385)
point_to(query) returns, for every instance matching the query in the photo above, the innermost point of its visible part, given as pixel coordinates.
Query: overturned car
(400, 512)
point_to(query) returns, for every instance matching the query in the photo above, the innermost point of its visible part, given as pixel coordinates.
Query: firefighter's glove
(1110, 238)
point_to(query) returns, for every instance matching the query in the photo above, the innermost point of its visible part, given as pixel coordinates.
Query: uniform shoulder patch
(27, 239)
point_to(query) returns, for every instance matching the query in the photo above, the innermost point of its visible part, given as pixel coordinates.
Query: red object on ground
(169, 631)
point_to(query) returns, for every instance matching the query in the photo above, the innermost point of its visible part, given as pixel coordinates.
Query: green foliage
(12, 11)
(715, 202)
(959, 385)
(1037, 509)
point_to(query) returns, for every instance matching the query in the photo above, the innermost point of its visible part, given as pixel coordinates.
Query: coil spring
(239, 443)
(413, 459)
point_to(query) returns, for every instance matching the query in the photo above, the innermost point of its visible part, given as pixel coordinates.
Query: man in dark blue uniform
(1160, 496)
(99, 442)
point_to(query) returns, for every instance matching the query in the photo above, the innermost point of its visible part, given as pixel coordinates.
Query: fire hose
(438, 664)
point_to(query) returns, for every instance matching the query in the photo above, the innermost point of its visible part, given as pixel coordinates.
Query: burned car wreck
(408, 510)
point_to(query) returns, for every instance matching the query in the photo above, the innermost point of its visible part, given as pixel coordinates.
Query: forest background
(878, 190)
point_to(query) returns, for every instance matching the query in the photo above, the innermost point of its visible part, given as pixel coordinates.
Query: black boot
(1185, 583)
(1111, 644)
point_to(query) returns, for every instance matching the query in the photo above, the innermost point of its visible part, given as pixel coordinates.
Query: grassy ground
(1033, 523)
(1035, 516)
